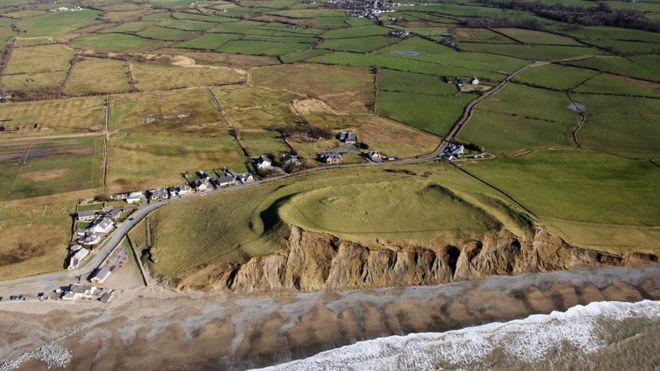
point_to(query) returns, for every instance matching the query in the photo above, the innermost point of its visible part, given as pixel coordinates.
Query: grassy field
(140, 160)
(435, 114)
(128, 27)
(394, 139)
(166, 34)
(537, 37)
(623, 66)
(98, 76)
(34, 237)
(622, 125)
(59, 115)
(532, 52)
(555, 76)
(45, 167)
(582, 187)
(258, 142)
(359, 44)
(397, 81)
(36, 59)
(524, 101)
(480, 35)
(353, 32)
(161, 77)
(504, 133)
(209, 41)
(114, 42)
(345, 88)
(612, 84)
(257, 47)
(57, 23)
(181, 111)
(32, 81)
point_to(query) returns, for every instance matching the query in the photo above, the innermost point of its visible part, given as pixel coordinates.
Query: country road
(114, 239)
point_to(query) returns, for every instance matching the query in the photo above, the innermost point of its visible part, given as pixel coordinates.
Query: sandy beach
(158, 329)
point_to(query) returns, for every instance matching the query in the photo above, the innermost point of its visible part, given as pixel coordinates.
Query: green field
(358, 44)
(166, 34)
(624, 66)
(537, 37)
(435, 114)
(504, 133)
(54, 116)
(529, 102)
(621, 125)
(45, 167)
(611, 84)
(352, 32)
(114, 42)
(209, 41)
(583, 187)
(57, 23)
(262, 47)
(397, 81)
(258, 142)
(532, 52)
(555, 76)
(38, 59)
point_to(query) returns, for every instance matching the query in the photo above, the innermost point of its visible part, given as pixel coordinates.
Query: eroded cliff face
(314, 261)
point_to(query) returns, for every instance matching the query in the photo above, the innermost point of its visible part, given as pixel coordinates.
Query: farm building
(347, 137)
(375, 156)
(77, 258)
(101, 275)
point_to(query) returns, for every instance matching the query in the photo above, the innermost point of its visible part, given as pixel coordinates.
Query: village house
(375, 156)
(348, 137)
(101, 275)
(77, 257)
(201, 185)
(135, 197)
(264, 162)
(103, 226)
(401, 34)
(332, 157)
(90, 239)
(157, 194)
(79, 291)
(226, 181)
(87, 215)
(180, 191)
(245, 177)
(113, 213)
(289, 159)
(453, 151)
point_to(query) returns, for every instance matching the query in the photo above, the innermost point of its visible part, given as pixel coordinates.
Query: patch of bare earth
(306, 106)
(45, 175)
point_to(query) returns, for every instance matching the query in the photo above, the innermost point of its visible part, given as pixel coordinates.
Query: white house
(90, 239)
(475, 81)
(226, 181)
(135, 197)
(74, 261)
(264, 162)
(103, 226)
(101, 275)
(245, 177)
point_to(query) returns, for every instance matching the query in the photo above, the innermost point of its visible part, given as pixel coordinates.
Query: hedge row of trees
(600, 15)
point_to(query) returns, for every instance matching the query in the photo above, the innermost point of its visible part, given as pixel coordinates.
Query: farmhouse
(264, 162)
(103, 226)
(245, 177)
(78, 291)
(90, 239)
(77, 258)
(290, 159)
(135, 197)
(375, 156)
(201, 185)
(332, 157)
(101, 275)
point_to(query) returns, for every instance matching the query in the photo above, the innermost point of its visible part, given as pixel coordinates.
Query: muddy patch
(305, 106)
(44, 176)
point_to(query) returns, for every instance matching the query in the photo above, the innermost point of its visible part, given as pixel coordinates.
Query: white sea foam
(527, 340)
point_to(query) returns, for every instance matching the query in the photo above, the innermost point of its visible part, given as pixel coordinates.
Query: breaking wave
(559, 338)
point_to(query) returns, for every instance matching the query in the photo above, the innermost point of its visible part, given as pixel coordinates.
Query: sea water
(600, 335)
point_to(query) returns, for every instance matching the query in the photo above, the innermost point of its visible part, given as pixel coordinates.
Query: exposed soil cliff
(314, 261)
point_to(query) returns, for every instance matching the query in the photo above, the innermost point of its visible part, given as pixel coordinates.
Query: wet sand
(157, 329)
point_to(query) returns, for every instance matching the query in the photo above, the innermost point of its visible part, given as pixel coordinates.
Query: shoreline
(158, 328)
